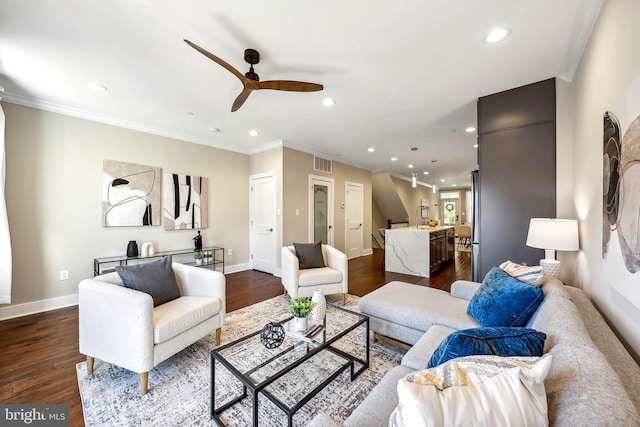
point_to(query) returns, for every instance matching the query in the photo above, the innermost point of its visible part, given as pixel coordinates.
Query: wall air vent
(322, 165)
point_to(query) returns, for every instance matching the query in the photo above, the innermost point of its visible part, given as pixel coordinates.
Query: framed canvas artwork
(131, 194)
(621, 196)
(186, 201)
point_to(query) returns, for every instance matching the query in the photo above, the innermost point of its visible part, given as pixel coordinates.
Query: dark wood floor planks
(38, 353)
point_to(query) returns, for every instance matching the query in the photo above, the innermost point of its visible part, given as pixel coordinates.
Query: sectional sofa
(592, 381)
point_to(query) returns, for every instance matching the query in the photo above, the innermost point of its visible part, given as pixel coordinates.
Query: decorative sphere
(272, 335)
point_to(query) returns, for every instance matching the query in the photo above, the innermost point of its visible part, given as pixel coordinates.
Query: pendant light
(414, 176)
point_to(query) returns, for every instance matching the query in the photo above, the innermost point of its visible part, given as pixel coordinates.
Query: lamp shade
(553, 233)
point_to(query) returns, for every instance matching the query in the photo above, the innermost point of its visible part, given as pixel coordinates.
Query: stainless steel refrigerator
(475, 227)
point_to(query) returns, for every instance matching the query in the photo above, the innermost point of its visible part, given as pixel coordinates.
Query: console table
(183, 256)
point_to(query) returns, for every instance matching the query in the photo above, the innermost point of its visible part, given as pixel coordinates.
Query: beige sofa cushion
(418, 307)
(179, 315)
(319, 276)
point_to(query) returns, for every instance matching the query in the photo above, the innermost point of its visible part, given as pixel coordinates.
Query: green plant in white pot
(300, 308)
(198, 257)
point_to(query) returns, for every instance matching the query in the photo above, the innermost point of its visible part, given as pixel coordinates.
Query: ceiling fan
(251, 80)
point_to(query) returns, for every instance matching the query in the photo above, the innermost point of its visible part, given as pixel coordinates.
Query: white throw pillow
(529, 274)
(475, 391)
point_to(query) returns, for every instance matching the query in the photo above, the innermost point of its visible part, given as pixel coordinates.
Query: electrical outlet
(64, 274)
(230, 252)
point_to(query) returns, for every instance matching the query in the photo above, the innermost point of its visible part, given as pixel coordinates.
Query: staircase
(386, 198)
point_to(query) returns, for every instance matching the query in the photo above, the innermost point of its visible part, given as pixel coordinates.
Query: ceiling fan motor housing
(252, 57)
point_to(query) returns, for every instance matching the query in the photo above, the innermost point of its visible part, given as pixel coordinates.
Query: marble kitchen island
(418, 251)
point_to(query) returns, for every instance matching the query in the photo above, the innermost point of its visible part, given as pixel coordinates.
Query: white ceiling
(403, 74)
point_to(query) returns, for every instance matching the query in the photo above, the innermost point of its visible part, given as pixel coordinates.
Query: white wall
(54, 198)
(611, 62)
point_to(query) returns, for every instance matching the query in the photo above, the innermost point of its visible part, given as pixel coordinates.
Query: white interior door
(263, 222)
(354, 200)
(321, 209)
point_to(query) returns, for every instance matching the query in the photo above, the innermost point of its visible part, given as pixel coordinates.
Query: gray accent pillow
(309, 255)
(155, 278)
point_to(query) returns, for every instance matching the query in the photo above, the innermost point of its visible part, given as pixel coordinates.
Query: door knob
(269, 229)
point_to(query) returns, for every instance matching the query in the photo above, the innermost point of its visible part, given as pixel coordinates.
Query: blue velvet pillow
(503, 300)
(489, 341)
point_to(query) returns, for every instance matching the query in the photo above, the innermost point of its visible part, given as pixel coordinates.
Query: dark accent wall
(517, 163)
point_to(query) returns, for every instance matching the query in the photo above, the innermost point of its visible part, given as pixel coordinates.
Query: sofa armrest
(338, 261)
(116, 324)
(202, 282)
(464, 289)
(290, 271)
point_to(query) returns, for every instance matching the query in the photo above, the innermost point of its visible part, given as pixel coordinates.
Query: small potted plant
(300, 308)
(198, 257)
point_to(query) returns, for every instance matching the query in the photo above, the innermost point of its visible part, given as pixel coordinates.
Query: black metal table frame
(256, 389)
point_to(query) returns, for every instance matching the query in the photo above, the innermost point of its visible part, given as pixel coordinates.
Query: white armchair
(121, 326)
(332, 279)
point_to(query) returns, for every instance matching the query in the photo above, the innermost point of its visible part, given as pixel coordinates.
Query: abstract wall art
(186, 201)
(621, 196)
(131, 194)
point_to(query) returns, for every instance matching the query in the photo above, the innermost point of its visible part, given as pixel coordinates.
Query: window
(450, 195)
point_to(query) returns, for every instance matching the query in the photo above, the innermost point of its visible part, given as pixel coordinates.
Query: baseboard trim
(367, 252)
(33, 307)
(237, 267)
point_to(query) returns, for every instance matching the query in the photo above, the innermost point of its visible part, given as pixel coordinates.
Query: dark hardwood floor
(38, 353)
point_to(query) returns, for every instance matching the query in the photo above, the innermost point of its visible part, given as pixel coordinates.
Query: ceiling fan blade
(217, 60)
(241, 98)
(290, 85)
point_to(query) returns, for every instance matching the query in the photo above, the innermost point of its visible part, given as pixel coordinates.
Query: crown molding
(325, 156)
(404, 178)
(580, 35)
(109, 120)
(266, 147)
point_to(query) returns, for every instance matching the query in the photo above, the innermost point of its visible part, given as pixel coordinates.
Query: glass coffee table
(291, 374)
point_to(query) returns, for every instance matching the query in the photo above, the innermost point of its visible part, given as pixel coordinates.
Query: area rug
(179, 387)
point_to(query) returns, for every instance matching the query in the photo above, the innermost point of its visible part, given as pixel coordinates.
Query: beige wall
(297, 168)
(611, 62)
(54, 197)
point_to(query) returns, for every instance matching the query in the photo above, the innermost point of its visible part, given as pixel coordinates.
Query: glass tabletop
(257, 364)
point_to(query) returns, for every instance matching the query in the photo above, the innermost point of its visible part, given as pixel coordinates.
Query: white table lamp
(552, 234)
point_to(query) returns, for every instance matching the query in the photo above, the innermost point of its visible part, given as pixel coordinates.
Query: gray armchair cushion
(309, 255)
(154, 278)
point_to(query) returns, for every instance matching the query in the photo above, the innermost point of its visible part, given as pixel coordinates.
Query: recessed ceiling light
(475, 145)
(470, 129)
(393, 159)
(425, 173)
(371, 149)
(253, 132)
(496, 34)
(328, 102)
(214, 130)
(454, 185)
(442, 180)
(96, 86)
(410, 166)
